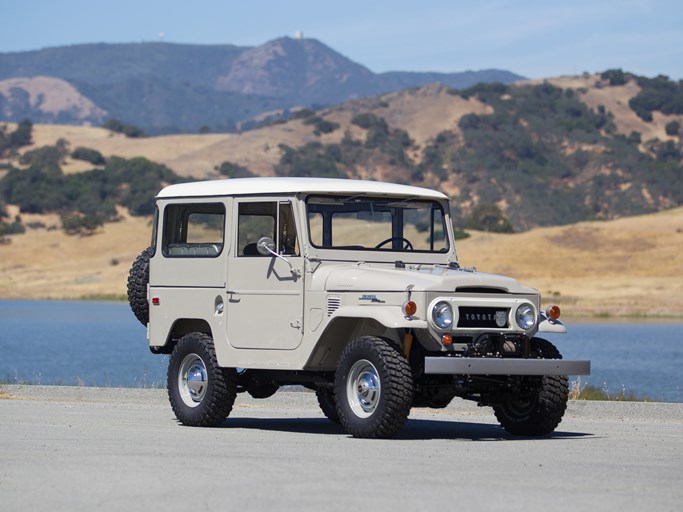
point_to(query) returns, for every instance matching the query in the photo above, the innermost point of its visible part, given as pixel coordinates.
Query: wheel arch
(340, 331)
(180, 328)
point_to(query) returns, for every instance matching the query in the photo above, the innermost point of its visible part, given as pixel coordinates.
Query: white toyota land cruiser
(349, 288)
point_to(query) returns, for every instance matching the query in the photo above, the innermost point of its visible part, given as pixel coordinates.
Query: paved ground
(106, 449)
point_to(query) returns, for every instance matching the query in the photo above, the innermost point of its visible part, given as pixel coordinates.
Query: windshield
(371, 223)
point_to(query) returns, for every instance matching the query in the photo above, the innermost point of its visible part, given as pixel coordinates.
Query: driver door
(265, 293)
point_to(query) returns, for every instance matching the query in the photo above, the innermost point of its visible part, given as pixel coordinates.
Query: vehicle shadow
(414, 429)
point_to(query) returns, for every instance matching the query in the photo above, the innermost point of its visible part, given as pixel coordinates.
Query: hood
(422, 278)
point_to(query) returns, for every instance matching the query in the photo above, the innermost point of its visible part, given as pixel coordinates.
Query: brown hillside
(423, 113)
(51, 96)
(594, 91)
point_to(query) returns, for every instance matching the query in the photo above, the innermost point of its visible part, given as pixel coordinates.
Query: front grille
(495, 318)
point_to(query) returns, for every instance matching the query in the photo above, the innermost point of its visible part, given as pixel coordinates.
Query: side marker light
(553, 312)
(409, 308)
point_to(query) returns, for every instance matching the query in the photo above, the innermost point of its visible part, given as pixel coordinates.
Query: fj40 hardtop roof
(254, 186)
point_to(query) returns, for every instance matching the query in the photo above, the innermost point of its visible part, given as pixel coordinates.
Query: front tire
(201, 392)
(540, 412)
(373, 387)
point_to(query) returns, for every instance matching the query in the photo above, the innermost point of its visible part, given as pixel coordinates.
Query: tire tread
(221, 387)
(397, 389)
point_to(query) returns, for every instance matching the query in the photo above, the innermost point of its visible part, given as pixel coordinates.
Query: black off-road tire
(201, 392)
(541, 413)
(138, 277)
(373, 388)
(328, 404)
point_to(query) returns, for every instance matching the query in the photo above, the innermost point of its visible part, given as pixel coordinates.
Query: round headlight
(526, 316)
(442, 314)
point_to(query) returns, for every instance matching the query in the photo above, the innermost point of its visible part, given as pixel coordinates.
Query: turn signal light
(409, 308)
(553, 312)
(447, 340)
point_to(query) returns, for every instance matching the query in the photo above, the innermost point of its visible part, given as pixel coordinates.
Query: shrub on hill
(88, 199)
(660, 94)
(313, 159)
(45, 156)
(488, 217)
(231, 170)
(321, 125)
(11, 228)
(615, 77)
(88, 155)
(673, 128)
(128, 130)
(21, 136)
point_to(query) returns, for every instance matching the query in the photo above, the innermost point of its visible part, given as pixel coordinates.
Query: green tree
(23, 135)
(88, 155)
(232, 170)
(128, 130)
(309, 160)
(673, 128)
(45, 156)
(80, 224)
(615, 76)
(489, 217)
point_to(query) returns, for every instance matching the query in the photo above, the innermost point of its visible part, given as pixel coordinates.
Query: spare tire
(137, 286)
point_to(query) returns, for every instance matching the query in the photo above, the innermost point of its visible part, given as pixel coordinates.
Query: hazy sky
(534, 38)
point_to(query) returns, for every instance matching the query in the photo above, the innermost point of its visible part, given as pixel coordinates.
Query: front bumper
(499, 366)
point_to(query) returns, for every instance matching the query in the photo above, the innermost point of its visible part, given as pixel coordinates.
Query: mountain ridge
(171, 87)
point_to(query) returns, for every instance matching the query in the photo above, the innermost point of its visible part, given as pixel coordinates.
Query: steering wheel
(407, 247)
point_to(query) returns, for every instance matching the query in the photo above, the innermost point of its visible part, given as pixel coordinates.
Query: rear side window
(194, 231)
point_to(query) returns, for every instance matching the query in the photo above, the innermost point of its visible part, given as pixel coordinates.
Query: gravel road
(84, 449)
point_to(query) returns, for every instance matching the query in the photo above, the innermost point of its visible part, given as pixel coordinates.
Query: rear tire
(539, 413)
(373, 387)
(328, 404)
(201, 392)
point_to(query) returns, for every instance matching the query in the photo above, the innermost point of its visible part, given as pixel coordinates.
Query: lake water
(102, 344)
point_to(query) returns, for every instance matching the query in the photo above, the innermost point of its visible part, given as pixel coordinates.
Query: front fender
(389, 316)
(352, 321)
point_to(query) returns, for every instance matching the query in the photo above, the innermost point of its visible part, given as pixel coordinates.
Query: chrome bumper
(492, 366)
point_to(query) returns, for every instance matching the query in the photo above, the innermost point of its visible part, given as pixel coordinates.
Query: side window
(271, 219)
(194, 231)
(315, 228)
(256, 220)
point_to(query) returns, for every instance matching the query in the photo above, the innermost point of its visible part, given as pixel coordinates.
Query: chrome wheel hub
(192, 380)
(363, 389)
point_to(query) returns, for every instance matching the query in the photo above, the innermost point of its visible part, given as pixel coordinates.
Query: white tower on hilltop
(298, 35)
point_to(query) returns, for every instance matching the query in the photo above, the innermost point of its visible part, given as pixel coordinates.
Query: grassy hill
(541, 153)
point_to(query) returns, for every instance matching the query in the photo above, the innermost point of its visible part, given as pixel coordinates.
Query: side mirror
(266, 246)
